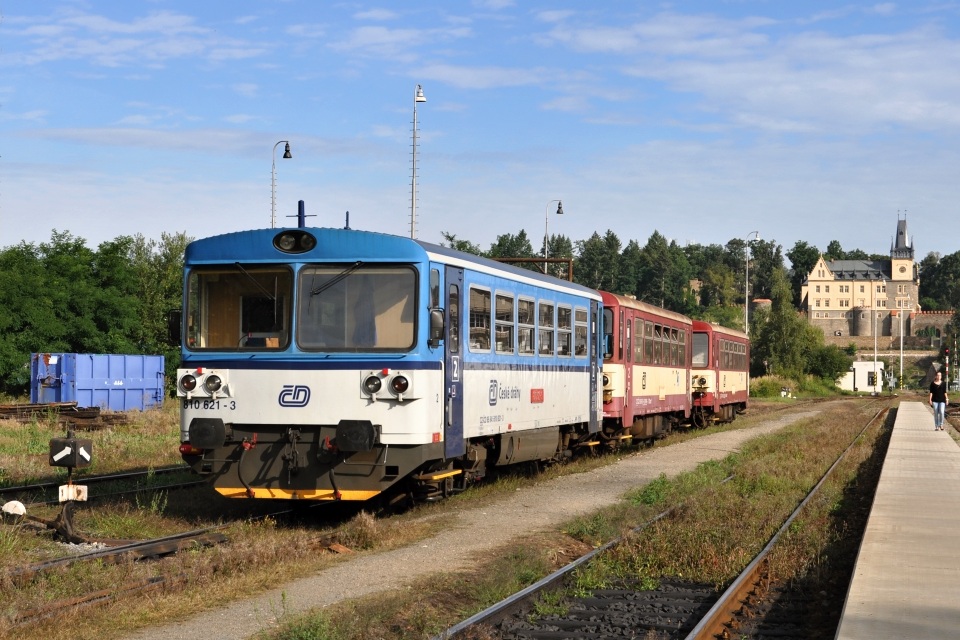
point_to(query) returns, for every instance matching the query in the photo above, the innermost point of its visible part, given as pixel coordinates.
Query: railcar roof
(700, 325)
(633, 303)
(256, 245)
(468, 259)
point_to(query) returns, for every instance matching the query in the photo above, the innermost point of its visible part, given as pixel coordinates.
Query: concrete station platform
(906, 583)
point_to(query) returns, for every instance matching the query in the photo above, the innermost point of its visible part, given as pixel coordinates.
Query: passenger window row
(525, 326)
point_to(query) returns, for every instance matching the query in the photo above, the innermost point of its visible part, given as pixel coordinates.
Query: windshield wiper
(337, 278)
(254, 281)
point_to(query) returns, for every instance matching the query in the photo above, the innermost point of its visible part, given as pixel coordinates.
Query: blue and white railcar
(332, 364)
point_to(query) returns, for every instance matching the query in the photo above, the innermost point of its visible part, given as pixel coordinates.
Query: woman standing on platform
(938, 400)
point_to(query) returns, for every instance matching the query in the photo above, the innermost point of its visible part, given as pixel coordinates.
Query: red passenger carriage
(720, 375)
(646, 365)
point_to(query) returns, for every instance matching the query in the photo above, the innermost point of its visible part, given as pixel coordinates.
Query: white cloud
(149, 41)
(495, 5)
(307, 30)
(246, 89)
(36, 116)
(239, 118)
(481, 77)
(404, 44)
(376, 14)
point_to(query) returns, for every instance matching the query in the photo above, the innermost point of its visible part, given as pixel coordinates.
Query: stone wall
(884, 343)
(936, 319)
(839, 331)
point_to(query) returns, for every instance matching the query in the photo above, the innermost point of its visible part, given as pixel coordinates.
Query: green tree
(664, 275)
(116, 306)
(727, 316)
(62, 297)
(940, 281)
(766, 259)
(598, 262)
(718, 272)
(783, 340)
(628, 271)
(828, 362)
(835, 251)
(718, 286)
(450, 240)
(510, 246)
(27, 320)
(560, 247)
(159, 271)
(803, 257)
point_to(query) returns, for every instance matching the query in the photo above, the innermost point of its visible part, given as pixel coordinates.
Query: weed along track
(99, 555)
(792, 588)
(134, 551)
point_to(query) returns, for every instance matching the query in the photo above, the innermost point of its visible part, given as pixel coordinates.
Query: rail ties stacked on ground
(66, 413)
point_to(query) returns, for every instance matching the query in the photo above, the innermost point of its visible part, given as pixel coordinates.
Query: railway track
(108, 486)
(16, 492)
(751, 607)
(127, 551)
(132, 551)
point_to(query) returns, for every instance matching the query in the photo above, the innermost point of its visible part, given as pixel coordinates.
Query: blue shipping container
(114, 382)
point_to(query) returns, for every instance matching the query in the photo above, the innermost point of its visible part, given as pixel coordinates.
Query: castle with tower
(865, 301)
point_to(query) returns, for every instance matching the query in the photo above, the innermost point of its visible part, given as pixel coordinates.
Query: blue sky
(705, 121)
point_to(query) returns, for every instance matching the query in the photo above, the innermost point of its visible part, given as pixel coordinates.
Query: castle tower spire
(901, 248)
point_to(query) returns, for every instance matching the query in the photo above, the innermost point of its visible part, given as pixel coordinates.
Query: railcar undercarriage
(346, 461)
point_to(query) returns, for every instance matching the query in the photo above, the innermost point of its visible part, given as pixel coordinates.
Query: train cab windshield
(357, 307)
(239, 307)
(347, 308)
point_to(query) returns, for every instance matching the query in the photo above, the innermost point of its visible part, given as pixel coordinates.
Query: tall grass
(148, 439)
(773, 386)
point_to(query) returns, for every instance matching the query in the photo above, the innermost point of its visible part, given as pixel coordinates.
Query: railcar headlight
(606, 380)
(212, 383)
(188, 382)
(296, 241)
(399, 384)
(372, 384)
(307, 242)
(701, 381)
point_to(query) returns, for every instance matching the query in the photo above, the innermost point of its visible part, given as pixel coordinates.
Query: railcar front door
(596, 358)
(454, 444)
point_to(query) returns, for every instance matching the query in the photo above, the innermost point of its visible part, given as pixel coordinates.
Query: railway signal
(71, 452)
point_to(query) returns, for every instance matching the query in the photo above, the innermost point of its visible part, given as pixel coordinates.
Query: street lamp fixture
(546, 229)
(746, 282)
(273, 181)
(417, 97)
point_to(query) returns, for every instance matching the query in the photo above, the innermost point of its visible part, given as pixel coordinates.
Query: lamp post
(746, 282)
(902, 309)
(417, 97)
(273, 181)
(546, 228)
(874, 347)
(882, 286)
